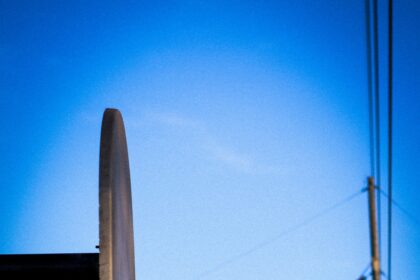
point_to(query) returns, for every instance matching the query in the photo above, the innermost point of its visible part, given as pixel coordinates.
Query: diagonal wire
(363, 274)
(404, 211)
(273, 239)
(384, 275)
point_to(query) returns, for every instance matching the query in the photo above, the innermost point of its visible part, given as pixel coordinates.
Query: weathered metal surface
(116, 245)
(376, 268)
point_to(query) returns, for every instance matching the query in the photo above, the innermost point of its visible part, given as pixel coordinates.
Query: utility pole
(376, 267)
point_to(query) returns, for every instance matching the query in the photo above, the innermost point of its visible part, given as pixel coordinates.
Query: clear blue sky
(243, 119)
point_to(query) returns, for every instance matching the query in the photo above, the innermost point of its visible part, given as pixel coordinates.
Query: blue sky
(243, 119)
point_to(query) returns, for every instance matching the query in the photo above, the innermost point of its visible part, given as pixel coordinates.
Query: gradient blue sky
(243, 118)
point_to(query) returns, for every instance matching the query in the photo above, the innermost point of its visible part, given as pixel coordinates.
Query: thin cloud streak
(215, 150)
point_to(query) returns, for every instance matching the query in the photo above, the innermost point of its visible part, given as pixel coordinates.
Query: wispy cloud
(241, 161)
(230, 157)
(176, 120)
(213, 149)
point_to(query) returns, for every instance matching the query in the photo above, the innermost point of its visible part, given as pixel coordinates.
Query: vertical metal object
(376, 268)
(116, 237)
(115, 260)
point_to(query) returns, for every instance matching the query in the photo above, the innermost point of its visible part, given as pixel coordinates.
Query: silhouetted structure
(115, 260)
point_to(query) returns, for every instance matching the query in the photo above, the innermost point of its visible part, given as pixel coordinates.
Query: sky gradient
(243, 119)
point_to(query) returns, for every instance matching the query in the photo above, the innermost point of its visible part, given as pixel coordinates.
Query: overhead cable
(369, 86)
(377, 113)
(273, 239)
(390, 111)
(402, 209)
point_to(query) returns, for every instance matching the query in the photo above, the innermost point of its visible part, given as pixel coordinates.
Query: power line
(402, 209)
(271, 240)
(384, 275)
(369, 80)
(363, 274)
(377, 111)
(390, 93)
